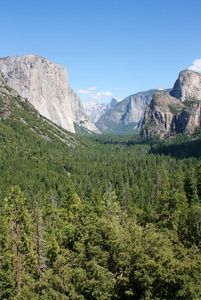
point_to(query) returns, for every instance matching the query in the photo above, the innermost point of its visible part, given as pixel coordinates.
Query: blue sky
(111, 48)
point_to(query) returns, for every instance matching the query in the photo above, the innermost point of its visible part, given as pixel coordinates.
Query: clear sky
(111, 48)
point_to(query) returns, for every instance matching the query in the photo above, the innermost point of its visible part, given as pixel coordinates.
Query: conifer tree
(198, 173)
(39, 239)
(162, 198)
(68, 195)
(191, 189)
(178, 208)
(17, 245)
(52, 224)
(109, 199)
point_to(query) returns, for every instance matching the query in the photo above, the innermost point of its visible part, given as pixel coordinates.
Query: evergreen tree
(111, 206)
(162, 198)
(191, 187)
(68, 195)
(18, 260)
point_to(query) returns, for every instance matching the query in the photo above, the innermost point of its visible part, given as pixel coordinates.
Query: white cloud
(104, 94)
(87, 91)
(100, 95)
(119, 88)
(83, 91)
(196, 65)
(94, 95)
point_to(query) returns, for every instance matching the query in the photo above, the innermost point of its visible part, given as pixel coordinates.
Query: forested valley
(112, 218)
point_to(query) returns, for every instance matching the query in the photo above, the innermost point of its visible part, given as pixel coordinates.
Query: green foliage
(189, 101)
(115, 217)
(18, 260)
(161, 270)
(8, 88)
(175, 109)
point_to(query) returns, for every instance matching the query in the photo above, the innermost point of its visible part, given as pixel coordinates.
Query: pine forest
(105, 217)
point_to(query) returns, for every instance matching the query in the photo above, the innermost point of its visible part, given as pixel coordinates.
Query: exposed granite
(187, 86)
(45, 85)
(167, 115)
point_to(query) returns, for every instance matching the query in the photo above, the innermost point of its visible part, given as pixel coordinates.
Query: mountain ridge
(126, 116)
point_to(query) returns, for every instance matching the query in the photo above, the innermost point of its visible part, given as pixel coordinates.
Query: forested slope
(96, 218)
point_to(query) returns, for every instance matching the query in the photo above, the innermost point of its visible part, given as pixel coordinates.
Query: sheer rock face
(135, 109)
(187, 86)
(45, 85)
(158, 118)
(167, 115)
(189, 119)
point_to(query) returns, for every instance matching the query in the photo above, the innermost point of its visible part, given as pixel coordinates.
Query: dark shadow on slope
(182, 150)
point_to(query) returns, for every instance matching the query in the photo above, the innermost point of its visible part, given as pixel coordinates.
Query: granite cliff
(187, 86)
(45, 85)
(177, 112)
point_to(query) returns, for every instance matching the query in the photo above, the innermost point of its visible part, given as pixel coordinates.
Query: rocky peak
(113, 102)
(45, 85)
(187, 86)
(179, 112)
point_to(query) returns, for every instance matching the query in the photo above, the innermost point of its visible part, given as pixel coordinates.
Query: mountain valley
(98, 216)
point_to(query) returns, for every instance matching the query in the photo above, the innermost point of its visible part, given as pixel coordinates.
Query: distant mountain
(95, 109)
(113, 102)
(45, 85)
(126, 116)
(177, 112)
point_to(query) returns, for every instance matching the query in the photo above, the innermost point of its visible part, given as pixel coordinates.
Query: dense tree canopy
(113, 218)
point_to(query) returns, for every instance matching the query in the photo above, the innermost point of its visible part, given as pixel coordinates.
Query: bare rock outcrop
(159, 115)
(188, 120)
(3, 80)
(45, 85)
(187, 86)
